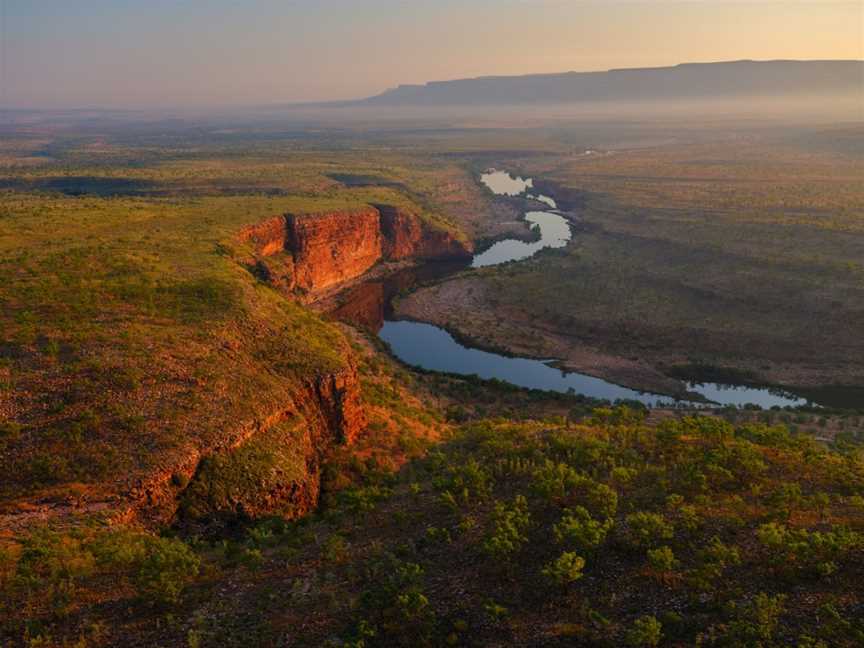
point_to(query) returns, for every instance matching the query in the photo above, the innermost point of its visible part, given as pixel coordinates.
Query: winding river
(433, 348)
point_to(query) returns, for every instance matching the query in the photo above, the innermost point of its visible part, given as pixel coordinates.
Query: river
(433, 348)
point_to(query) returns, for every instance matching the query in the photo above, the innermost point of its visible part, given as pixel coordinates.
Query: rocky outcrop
(310, 253)
(271, 466)
(402, 233)
(266, 237)
(332, 248)
(335, 401)
(406, 236)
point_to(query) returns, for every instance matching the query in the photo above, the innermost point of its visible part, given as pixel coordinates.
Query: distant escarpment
(688, 81)
(311, 253)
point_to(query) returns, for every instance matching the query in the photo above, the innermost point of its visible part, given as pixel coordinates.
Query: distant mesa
(734, 79)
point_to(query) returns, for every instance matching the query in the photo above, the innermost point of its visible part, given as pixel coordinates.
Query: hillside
(688, 81)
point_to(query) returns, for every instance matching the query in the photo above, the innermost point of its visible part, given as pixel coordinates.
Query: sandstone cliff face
(311, 253)
(266, 237)
(402, 233)
(331, 248)
(335, 400)
(271, 259)
(406, 236)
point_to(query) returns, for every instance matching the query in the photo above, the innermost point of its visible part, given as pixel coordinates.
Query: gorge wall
(310, 253)
(405, 236)
(329, 249)
(267, 466)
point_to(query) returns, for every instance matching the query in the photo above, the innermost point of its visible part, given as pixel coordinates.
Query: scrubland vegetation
(468, 512)
(122, 315)
(604, 532)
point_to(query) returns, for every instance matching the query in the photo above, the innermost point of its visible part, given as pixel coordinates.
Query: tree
(511, 524)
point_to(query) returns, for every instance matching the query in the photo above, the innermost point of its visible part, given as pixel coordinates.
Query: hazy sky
(127, 53)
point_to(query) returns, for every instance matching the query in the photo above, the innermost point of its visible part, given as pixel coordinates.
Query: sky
(173, 53)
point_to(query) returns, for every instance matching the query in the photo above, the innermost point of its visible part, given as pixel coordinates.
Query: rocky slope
(238, 419)
(249, 441)
(275, 468)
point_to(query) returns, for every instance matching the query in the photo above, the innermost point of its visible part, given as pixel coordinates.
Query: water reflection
(554, 232)
(369, 304)
(430, 347)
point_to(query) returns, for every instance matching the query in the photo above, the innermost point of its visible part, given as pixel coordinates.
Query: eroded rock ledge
(311, 253)
(269, 466)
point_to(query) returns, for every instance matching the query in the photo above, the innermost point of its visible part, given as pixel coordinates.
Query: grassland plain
(132, 340)
(744, 255)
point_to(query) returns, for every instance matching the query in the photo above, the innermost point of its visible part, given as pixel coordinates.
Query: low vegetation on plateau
(192, 457)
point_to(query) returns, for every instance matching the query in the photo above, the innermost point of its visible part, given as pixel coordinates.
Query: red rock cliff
(266, 237)
(406, 236)
(334, 247)
(314, 252)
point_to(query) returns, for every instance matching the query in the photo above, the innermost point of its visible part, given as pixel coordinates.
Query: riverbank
(462, 307)
(645, 295)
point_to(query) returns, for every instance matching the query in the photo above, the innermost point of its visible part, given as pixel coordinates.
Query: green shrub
(662, 559)
(646, 530)
(753, 622)
(786, 499)
(471, 479)
(510, 526)
(396, 609)
(565, 569)
(815, 552)
(559, 481)
(578, 529)
(713, 561)
(48, 557)
(166, 569)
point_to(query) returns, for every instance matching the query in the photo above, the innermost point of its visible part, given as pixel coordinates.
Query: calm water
(554, 233)
(504, 184)
(430, 347)
(554, 230)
